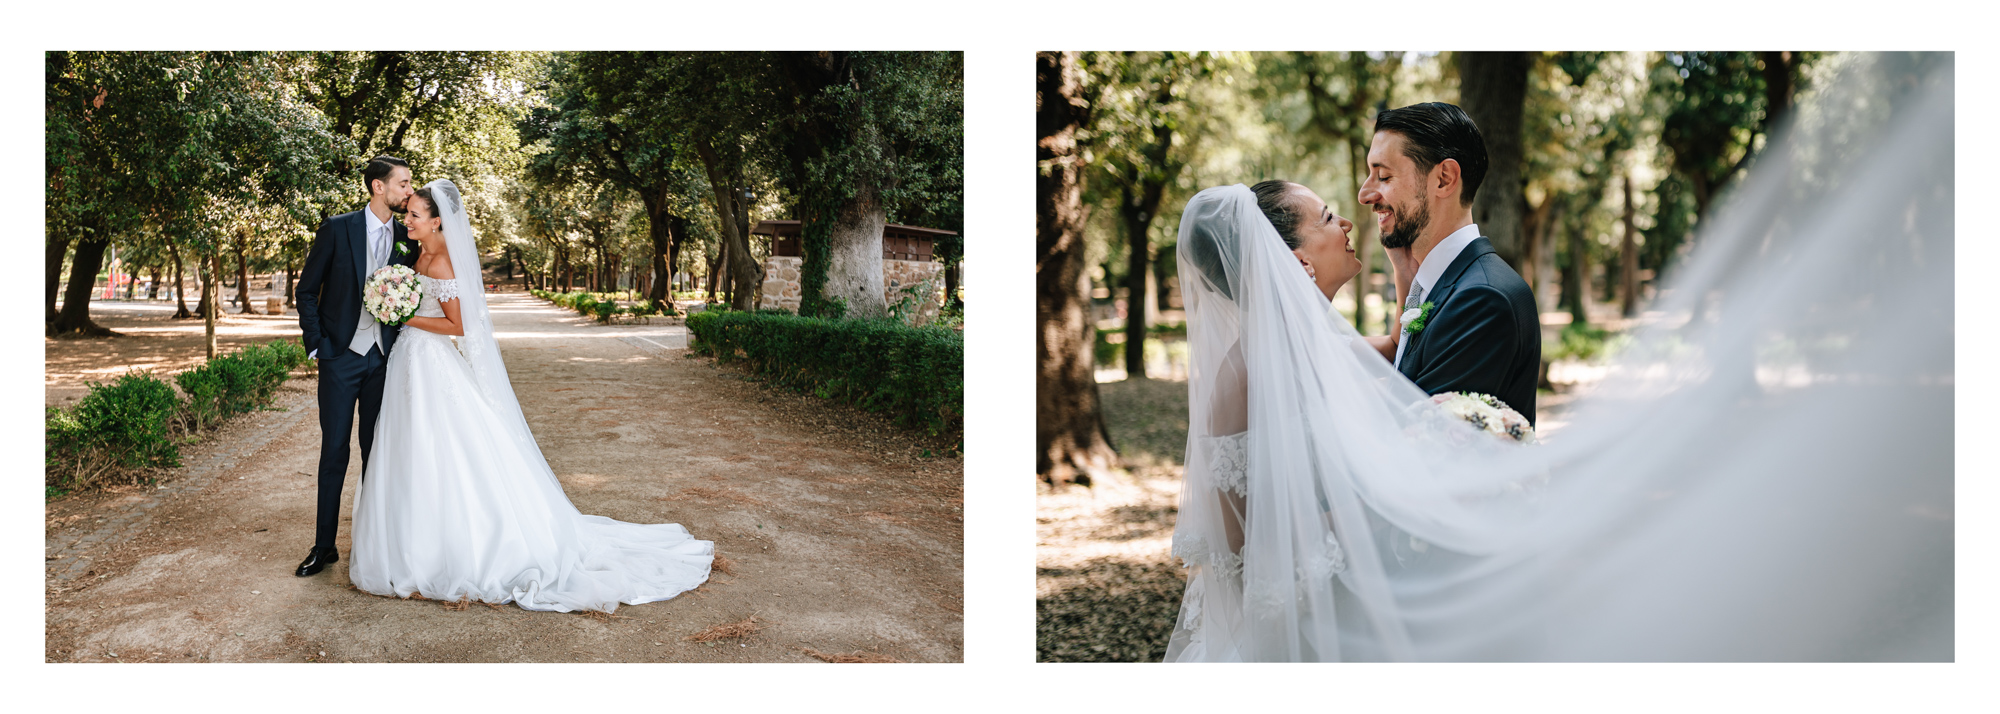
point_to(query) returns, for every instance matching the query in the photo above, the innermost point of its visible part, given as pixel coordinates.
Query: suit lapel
(357, 239)
(1441, 292)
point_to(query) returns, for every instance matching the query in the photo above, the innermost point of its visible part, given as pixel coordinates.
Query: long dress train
(458, 502)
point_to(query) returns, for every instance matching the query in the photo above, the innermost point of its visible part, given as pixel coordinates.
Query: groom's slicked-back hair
(378, 169)
(1435, 131)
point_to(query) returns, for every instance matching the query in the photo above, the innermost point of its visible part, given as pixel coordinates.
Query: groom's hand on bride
(1403, 270)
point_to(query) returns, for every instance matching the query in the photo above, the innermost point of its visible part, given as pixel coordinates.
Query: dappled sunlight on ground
(1106, 587)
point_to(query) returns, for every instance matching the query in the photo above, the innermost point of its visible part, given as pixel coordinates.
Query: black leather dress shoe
(317, 560)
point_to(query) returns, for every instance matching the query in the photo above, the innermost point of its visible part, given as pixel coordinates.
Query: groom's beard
(1403, 231)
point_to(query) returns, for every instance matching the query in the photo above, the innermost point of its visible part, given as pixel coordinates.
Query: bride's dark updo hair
(1274, 198)
(1210, 252)
(429, 200)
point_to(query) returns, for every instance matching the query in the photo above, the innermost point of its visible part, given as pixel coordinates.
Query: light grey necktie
(366, 333)
(1416, 299)
(380, 250)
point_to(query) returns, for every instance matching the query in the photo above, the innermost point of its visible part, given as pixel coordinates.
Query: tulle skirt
(458, 503)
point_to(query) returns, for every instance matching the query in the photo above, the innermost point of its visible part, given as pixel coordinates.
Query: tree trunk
(951, 278)
(1576, 279)
(1628, 258)
(75, 314)
(291, 283)
(665, 262)
(242, 270)
(714, 269)
(153, 282)
(214, 301)
(180, 284)
(1070, 441)
(725, 179)
(57, 249)
(854, 267)
(659, 228)
(1492, 89)
(1136, 216)
(1778, 68)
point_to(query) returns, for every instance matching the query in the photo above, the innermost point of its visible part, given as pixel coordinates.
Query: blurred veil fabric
(458, 500)
(1765, 475)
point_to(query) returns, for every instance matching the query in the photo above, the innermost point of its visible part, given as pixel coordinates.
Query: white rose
(1412, 314)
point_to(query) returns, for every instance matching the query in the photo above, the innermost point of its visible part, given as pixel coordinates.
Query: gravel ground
(840, 533)
(1106, 588)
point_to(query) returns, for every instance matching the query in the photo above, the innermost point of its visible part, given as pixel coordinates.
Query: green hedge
(604, 306)
(915, 374)
(136, 422)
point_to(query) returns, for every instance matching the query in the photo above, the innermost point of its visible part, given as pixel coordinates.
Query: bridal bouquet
(1487, 412)
(392, 294)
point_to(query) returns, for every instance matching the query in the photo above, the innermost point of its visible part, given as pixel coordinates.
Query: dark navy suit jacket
(329, 290)
(1485, 334)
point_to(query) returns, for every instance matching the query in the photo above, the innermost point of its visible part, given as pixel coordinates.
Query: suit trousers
(345, 381)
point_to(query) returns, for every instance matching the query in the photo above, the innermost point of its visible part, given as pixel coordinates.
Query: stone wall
(781, 283)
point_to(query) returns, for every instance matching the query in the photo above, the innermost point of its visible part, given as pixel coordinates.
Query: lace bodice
(436, 291)
(1229, 463)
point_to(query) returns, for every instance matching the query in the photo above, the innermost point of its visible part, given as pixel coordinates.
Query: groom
(1480, 330)
(353, 351)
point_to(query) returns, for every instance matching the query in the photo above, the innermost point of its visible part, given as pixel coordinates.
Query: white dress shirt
(1435, 262)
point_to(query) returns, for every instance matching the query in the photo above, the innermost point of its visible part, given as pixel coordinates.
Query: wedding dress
(1766, 474)
(457, 500)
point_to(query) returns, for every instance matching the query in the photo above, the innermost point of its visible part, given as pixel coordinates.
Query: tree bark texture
(854, 269)
(180, 283)
(1135, 213)
(75, 314)
(214, 302)
(56, 251)
(1576, 279)
(1628, 258)
(725, 179)
(1492, 89)
(242, 271)
(1070, 441)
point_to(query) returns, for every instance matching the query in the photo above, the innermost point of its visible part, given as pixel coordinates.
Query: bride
(1766, 474)
(458, 501)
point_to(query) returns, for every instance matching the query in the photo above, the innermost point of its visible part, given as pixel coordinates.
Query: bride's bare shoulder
(439, 267)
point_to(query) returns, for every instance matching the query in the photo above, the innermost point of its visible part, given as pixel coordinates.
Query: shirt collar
(1447, 250)
(375, 226)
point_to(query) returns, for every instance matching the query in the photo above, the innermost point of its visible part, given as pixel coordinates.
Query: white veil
(477, 344)
(1767, 474)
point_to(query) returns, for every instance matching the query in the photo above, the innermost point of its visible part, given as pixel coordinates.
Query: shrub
(122, 426)
(133, 423)
(915, 374)
(204, 389)
(1582, 342)
(604, 311)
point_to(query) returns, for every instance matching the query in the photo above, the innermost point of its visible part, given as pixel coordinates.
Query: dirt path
(843, 536)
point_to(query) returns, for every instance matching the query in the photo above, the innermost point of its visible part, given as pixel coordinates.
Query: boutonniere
(1415, 318)
(402, 248)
